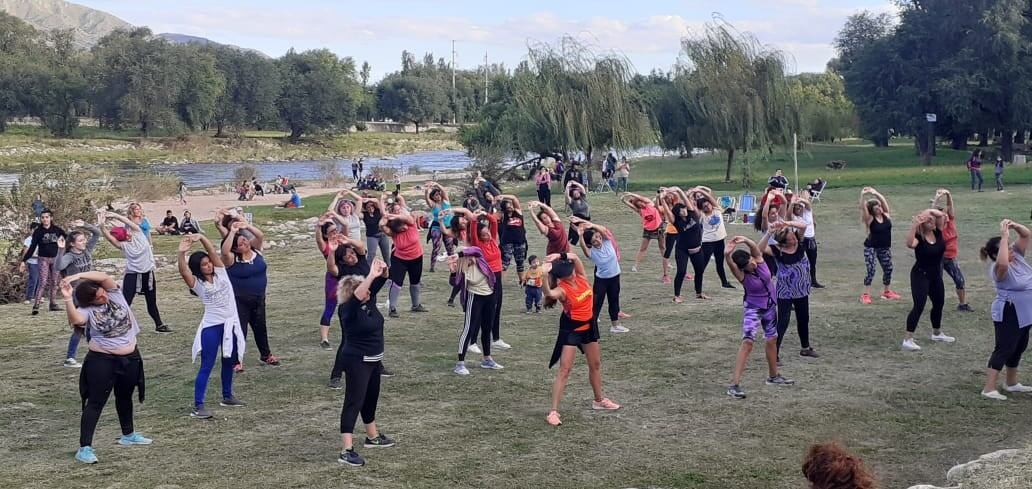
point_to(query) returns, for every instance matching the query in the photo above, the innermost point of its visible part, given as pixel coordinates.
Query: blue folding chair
(747, 207)
(727, 203)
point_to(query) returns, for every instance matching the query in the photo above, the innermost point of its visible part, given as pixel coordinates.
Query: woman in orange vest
(568, 285)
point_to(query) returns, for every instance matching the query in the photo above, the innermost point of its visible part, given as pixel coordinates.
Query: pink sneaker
(604, 405)
(865, 298)
(622, 315)
(553, 418)
(890, 295)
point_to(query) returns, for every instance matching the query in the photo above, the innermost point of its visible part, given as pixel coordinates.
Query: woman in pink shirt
(407, 258)
(544, 185)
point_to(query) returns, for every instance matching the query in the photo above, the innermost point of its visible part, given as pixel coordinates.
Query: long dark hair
(991, 249)
(194, 263)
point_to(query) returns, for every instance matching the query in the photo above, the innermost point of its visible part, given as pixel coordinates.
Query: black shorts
(654, 234)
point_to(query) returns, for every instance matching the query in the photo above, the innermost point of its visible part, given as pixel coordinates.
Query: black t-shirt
(929, 255)
(512, 230)
(788, 258)
(170, 221)
(361, 267)
(372, 222)
(362, 323)
(689, 231)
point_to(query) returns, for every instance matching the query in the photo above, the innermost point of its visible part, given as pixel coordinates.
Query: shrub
(330, 173)
(361, 127)
(144, 187)
(244, 172)
(434, 130)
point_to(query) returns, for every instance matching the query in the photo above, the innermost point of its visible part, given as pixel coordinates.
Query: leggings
(399, 268)
(671, 241)
(251, 311)
(480, 311)
(884, 256)
(603, 289)
(951, 268)
(544, 194)
(381, 241)
(48, 281)
(716, 250)
(211, 344)
(438, 239)
(810, 247)
(1011, 340)
(143, 283)
(925, 285)
(102, 373)
(330, 304)
(496, 320)
(698, 266)
(361, 392)
(802, 310)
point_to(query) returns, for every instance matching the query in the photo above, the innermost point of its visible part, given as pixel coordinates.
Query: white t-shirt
(217, 296)
(139, 257)
(33, 260)
(807, 218)
(713, 227)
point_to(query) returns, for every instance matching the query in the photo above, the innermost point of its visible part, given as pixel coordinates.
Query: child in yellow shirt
(533, 283)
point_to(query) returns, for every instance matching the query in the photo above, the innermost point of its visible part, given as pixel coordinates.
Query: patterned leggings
(438, 239)
(884, 256)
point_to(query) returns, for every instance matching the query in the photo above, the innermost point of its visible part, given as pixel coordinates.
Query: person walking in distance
(567, 285)
(139, 265)
(925, 238)
(949, 235)
(113, 362)
(875, 216)
(45, 241)
(758, 311)
(1012, 307)
(974, 166)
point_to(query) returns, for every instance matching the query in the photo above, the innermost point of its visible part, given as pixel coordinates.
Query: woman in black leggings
(688, 221)
(925, 238)
(139, 265)
(1012, 307)
(713, 232)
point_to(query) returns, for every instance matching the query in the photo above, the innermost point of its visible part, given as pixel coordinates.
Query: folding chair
(747, 207)
(815, 193)
(727, 203)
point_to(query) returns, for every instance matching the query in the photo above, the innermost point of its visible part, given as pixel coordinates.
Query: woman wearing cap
(205, 275)
(1012, 307)
(139, 265)
(567, 285)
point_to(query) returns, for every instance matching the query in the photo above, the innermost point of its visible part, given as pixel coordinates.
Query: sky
(647, 32)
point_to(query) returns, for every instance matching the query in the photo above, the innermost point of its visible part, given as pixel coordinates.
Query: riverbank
(27, 145)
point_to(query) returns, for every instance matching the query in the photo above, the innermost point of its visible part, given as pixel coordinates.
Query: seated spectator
(169, 225)
(778, 180)
(831, 466)
(189, 225)
(258, 190)
(294, 202)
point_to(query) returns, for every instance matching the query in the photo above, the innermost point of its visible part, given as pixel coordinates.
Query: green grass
(910, 415)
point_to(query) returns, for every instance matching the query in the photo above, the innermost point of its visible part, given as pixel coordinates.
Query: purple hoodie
(459, 279)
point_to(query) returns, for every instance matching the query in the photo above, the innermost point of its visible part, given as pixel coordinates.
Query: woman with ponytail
(1012, 307)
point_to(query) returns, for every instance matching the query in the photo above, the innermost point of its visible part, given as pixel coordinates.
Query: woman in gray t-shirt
(1012, 307)
(139, 265)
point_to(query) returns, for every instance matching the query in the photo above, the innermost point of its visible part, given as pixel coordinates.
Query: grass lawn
(910, 415)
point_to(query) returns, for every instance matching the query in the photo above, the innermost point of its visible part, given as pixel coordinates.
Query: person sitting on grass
(189, 225)
(294, 202)
(759, 310)
(169, 225)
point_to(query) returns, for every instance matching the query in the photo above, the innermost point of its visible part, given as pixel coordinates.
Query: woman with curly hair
(831, 466)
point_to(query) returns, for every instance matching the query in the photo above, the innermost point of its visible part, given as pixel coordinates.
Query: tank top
(929, 255)
(579, 304)
(650, 220)
(881, 234)
(580, 206)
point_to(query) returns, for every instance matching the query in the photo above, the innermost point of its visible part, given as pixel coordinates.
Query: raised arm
(1023, 236)
(320, 243)
(219, 215)
(75, 318)
(226, 254)
(406, 218)
(357, 244)
(125, 220)
(881, 200)
(512, 198)
(532, 207)
(181, 260)
(730, 250)
(915, 226)
(865, 214)
(331, 258)
(213, 254)
(378, 269)
(258, 242)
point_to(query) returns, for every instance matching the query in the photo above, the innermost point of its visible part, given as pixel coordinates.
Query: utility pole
(486, 70)
(454, 102)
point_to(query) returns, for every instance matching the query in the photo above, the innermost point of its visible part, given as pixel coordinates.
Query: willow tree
(735, 91)
(567, 98)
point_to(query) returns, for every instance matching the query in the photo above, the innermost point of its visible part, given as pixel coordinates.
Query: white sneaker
(910, 345)
(618, 329)
(1017, 388)
(475, 349)
(500, 344)
(460, 369)
(443, 257)
(71, 363)
(634, 268)
(27, 302)
(943, 338)
(994, 395)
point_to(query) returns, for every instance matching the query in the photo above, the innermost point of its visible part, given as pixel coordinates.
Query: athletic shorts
(654, 234)
(753, 319)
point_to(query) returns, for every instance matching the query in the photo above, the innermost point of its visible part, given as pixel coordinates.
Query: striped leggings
(884, 257)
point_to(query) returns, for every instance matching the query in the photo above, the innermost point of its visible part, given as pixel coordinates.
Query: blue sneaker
(134, 438)
(85, 455)
(491, 364)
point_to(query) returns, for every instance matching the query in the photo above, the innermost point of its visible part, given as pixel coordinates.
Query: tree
(201, 85)
(19, 44)
(364, 74)
(252, 86)
(318, 92)
(134, 80)
(412, 99)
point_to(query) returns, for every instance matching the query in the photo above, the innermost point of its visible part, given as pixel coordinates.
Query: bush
(361, 127)
(434, 130)
(330, 173)
(244, 172)
(144, 187)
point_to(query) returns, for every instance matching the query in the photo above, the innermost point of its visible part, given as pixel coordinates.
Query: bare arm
(219, 215)
(915, 225)
(537, 221)
(1023, 236)
(728, 251)
(128, 222)
(181, 261)
(331, 259)
(377, 270)
(259, 237)
(75, 318)
(1003, 255)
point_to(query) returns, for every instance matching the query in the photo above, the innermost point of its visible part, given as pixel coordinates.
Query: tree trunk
(417, 127)
(3, 124)
(144, 128)
(218, 129)
(959, 141)
(730, 159)
(295, 133)
(1007, 145)
(983, 138)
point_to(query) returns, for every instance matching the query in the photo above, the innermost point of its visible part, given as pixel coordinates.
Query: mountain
(89, 25)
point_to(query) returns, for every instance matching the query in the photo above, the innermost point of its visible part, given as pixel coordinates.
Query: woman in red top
(483, 233)
(568, 285)
(651, 224)
(550, 226)
(407, 257)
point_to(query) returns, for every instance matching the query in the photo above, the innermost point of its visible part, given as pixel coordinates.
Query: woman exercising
(550, 226)
(793, 281)
(688, 222)
(925, 238)
(651, 224)
(1012, 307)
(874, 213)
(473, 275)
(713, 232)
(598, 244)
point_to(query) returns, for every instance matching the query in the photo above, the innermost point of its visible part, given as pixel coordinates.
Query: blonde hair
(346, 287)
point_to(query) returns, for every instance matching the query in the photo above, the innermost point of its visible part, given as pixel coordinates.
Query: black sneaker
(351, 457)
(808, 352)
(736, 392)
(379, 442)
(451, 303)
(231, 401)
(200, 412)
(727, 285)
(419, 308)
(393, 313)
(325, 345)
(35, 309)
(55, 307)
(779, 380)
(816, 285)
(965, 308)
(384, 372)
(164, 329)
(336, 384)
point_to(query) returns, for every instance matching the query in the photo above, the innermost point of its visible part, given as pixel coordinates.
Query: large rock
(1002, 469)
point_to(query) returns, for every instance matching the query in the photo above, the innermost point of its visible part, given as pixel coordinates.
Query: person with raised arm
(512, 234)
(113, 362)
(688, 221)
(651, 225)
(43, 247)
(793, 282)
(598, 244)
(437, 200)
(343, 212)
(73, 258)
(577, 202)
(219, 329)
(483, 233)
(949, 236)
(248, 272)
(925, 238)
(139, 265)
(1012, 307)
(713, 231)
(802, 211)
(567, 285)
(550, 226)
(759, 310)
(473, 275)
(407, 258)
(877, 221)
